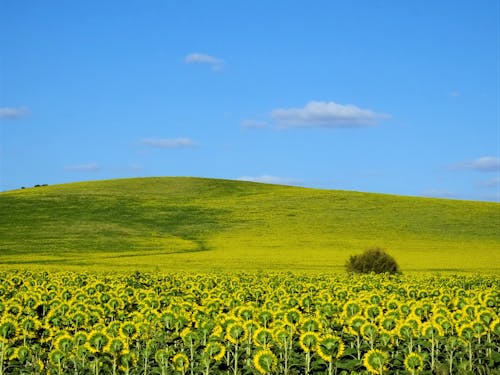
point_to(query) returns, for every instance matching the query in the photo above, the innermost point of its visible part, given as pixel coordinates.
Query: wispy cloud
(268, 179)
(482, 164)
(201, 58)
(254, 124)
(90, 167)
(11, 113)
(326, 115)
(435, 193)
(491, 183)
(169, 142)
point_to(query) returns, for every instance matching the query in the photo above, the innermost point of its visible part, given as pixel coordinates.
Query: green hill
(198, 224)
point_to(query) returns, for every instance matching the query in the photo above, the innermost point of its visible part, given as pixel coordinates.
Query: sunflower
(282, 336)
(116, 346)
(330, 347)
(21, 353)
(308, 341)
(96, 341)
(414, 362)
(181, 362)
(372, 312)
(79, 338)
(265, 317)
(351, 309)
(236, 333)
(263, 337)
(215, 350)
(265, 361)
(309, 324)
(369, 331)
(404, 331)
(188, 336)
(355, 323)
(466, 332)
(432, 330)
(64, 343)
(495, 326)
(375, 360)
(127, 361)
(292, 316)
(479, 328)
(246, 313)
(161, 357)
(56, 358)
(29, 325)
(8, 329)
(128, 329)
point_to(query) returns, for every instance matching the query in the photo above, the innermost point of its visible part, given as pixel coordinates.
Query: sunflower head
(310, 324)
(292, 316)
(181, 362)
(330, 347)
(369, 331)
(263, 337)
(128, 329)
(21, 353)
(432, 330)
(355, 323)
(466, 332)
(265, 361)
(375, 361)
(8, 329)
(162, 356)
(215, 350)
(56, 357)
(308, 341)
(116, 346)
(495, 326)
(96, 341)
(64, 343)
(282, 336)
(188, 336)
(236, 333)
(414, 362)
(405, 331)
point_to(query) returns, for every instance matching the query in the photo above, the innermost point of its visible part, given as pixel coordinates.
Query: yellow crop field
(195, 224)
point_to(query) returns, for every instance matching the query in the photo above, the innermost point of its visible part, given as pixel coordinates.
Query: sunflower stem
(235, 372)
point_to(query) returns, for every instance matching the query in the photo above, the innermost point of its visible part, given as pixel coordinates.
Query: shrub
(372, 260)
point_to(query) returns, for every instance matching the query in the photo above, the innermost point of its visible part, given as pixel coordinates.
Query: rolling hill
(180, 223)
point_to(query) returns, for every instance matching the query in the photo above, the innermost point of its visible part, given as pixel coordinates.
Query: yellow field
(170, 224)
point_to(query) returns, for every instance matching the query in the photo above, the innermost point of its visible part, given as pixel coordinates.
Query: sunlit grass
(168, 224)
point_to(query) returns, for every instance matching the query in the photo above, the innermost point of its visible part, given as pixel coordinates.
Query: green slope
(209, 224)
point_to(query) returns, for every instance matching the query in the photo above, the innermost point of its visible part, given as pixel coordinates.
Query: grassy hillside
(208, 224)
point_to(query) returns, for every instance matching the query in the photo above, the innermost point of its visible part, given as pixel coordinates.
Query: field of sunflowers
(284, 323)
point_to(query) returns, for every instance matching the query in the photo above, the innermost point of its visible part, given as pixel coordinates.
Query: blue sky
(387, 96)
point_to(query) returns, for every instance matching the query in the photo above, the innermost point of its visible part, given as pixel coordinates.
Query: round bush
(372, 260)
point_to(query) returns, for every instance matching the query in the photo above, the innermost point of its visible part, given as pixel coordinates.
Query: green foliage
(372, 260)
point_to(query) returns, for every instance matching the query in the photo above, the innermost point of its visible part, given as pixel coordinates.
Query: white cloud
(268, 179)
(10, 113)
(169, 142)
(91, 167)
(200, 58)
(326, 115)
(482, 164)
(254, 124)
